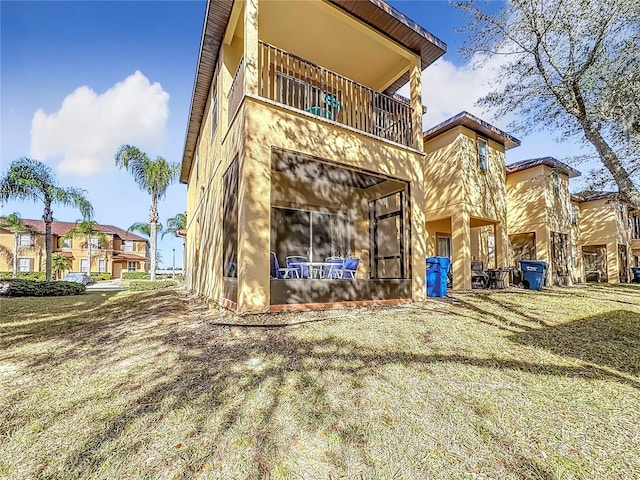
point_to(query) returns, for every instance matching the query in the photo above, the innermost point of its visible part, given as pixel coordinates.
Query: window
(214, 106)
(230, 220)
(84, 265)
(127, 246)
(24, 264)
(25, 240)
(131, 266)
(556, 184)
(94, 242)
(102, 265)
(483, 156)
(66, 243)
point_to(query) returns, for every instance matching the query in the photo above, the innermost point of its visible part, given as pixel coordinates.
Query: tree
(13, 222)
(86, 230)
(144, 228)
(175, 224)
(572, 69)
(59, 264)
(153, 177)
(30, 179)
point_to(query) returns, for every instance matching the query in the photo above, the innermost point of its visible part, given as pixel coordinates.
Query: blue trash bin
(437, 269)
(635, 274)
(534, 273)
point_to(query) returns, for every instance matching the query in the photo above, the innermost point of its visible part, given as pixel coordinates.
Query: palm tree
(59, 264)
(153, 177)
(14, 223)
(176, 224)
(86, 230)
(144, 228)
(30, 179)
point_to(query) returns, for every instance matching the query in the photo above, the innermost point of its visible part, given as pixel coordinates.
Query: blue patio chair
(350, 268)
(281, 273)
(294, 262)
(333, 267)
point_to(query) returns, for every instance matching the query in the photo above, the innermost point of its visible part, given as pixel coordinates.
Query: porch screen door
(560, 263)
(387, 236)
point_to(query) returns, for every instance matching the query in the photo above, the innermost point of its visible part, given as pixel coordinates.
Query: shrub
(32, 288)
(40, 276)
(135, 276)
(96, 276)
(141, 285)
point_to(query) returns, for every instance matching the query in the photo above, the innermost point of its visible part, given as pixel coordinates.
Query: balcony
(290, 80)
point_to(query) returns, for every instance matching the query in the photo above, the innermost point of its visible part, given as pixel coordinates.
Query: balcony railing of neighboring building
(236, 91)
(298, 83)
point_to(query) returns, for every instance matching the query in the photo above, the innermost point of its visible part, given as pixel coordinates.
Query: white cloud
(448, 89)
(89, 127)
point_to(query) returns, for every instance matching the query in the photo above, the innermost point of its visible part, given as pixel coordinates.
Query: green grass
(483, 385)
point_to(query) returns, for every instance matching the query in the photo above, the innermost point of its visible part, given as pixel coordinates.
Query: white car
(77, 277)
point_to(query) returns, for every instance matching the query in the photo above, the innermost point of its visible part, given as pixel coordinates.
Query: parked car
(78, 277)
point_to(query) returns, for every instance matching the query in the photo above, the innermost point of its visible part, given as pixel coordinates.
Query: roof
(128, 256)
(591, 195)
(476, 124)
(547, 161)
(60, 228)
(375, 13)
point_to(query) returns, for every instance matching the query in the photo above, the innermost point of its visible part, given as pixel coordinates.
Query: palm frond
(73, 197)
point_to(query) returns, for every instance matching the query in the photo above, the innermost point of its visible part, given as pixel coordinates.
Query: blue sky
(80, 78)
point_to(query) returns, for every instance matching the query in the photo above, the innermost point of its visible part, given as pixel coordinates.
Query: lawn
(482, 385)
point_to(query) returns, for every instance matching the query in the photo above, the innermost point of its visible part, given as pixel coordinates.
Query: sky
(78, 79)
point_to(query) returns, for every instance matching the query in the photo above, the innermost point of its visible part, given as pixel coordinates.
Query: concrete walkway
(107, 285)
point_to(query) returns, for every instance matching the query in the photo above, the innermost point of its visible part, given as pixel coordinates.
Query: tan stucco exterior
(261, 130)
(539, 203)
(464, 202)
(604, 223)
(111, 256)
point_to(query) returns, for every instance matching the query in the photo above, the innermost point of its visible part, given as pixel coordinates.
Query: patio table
(315, 268)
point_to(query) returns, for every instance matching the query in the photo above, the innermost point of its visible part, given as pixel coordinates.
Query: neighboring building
(298, 144)
(120, 251)
(541, 217)
(466, 196)
(609, 235)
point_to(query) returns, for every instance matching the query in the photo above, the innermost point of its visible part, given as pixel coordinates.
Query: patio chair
(332, 267)
(479, 278)
(295, 262)
(281, 273)
(350, 268)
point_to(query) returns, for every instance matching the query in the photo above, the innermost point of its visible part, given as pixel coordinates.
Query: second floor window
(483, 155)
(94, 242)
(556, 184)
(25, 240)
(66, 243)
(127, 246)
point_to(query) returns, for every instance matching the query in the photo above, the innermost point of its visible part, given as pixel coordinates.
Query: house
(466, 199)
(610, 236)
(541, 217)
(120, 251)
(298, 144)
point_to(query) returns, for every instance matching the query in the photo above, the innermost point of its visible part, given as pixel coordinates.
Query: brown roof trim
(216, 18)
(392, 23)
(375, 13)
(547, 161)
(476, 124)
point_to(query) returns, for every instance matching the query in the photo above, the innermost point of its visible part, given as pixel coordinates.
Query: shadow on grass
(212, 373)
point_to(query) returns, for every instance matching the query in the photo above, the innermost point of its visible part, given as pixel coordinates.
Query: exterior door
(623, 264)
(387, 236)
(559, 259)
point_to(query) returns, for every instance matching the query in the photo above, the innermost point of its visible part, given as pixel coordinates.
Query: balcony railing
(298, 83)
(236, 91)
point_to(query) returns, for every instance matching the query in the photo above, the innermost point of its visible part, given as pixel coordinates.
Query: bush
(32, 288)
(97, 276)
(40, 276)
(141, 285)
(135, 276)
